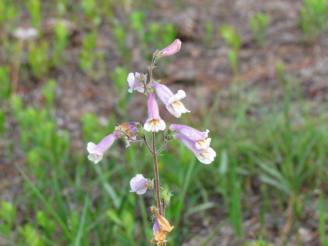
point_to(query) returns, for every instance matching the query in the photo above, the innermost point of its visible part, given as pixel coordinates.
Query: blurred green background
(256, 75)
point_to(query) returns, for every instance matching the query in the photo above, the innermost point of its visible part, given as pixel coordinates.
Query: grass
(90, 203)
(280, 147)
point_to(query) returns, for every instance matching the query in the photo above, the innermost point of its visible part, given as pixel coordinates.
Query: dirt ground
(205, 70)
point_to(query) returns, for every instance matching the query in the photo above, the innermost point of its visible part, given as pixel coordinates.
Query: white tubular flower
(171, 101)
(154, 123)
(199, 138)
(96, 151)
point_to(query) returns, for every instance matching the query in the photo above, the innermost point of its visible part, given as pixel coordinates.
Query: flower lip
(177, 97)
(92, 148)
(94, 155)
(177, 108)
(154, 125)
(205, 156)
(203, 143)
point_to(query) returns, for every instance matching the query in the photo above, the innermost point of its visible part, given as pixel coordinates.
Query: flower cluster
(197, 141)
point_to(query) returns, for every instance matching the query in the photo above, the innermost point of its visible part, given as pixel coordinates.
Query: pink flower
(96, 151)
(172, 49)
(200, 139)
(205, 156)
(154, 123)
(136, 82)
(171, 101)
(139, 184)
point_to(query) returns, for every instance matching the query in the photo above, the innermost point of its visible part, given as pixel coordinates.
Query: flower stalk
(133, 132)
(154, 151)
(156, 173)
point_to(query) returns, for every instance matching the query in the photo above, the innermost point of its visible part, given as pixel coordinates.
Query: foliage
(60, 43)
(231, 37)
(34, 8)
(233, 40)
(259, 24)
(38, 58)
(5, 88)
(8, 12)
(91, 60)
(313, 18)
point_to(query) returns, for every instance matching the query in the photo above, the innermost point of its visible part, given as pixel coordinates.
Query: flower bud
(172, 49)
(139, 184)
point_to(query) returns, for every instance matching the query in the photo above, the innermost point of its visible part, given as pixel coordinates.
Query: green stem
(157, 182)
